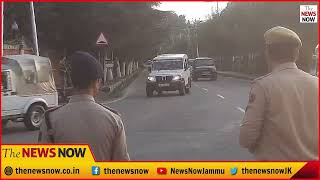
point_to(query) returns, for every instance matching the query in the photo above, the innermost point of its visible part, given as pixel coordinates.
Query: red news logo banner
(77, 162)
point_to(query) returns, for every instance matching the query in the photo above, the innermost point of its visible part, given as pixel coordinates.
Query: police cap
(84, 69)
(281, 35)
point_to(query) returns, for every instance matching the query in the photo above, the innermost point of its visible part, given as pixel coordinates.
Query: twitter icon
(233, 170)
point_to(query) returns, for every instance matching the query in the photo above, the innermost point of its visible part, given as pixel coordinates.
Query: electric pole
(34, 29)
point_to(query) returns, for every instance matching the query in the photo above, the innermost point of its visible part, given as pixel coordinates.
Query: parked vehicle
(27, 90)
(204, 67)
(169, 72)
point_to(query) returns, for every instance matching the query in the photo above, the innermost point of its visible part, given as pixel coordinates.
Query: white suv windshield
(167, 65)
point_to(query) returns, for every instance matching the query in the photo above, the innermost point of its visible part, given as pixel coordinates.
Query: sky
(192, 10)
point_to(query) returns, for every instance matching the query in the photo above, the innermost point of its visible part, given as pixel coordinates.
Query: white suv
(169, 72)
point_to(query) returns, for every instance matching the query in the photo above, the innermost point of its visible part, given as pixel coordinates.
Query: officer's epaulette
(261, 77)
(110, 109)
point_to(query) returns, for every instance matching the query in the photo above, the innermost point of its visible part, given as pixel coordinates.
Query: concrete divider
(127, 69)
(120, 85)
(134, 66)
(130, 67)
(123, 70)
(118, 75)
(109, 74)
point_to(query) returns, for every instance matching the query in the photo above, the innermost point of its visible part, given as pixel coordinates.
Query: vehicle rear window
(205, 62)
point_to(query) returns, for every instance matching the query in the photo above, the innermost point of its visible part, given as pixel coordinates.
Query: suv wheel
(182, 90)
(214, 77)
(149, 92)
(34, 117)
(188, 88)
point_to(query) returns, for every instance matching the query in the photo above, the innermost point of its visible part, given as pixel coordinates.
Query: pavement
(202, 125)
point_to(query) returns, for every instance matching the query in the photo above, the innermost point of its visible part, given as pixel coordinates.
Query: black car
(204, 68)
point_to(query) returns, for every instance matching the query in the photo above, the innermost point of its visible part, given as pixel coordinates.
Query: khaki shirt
(82, 121)
(281, 119)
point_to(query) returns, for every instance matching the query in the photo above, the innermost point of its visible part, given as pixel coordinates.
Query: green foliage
(133, 30)
(138, 31)
(239, 29)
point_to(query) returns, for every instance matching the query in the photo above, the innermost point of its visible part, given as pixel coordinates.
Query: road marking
(240, 109)
(204, 133)
(206, 90)
(196, 85)
(220, 96)
(203, 89)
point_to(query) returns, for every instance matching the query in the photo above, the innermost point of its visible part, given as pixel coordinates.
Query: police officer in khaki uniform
(281, 119)
(82, 120)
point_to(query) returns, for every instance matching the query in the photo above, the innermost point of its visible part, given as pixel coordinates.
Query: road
(203, 125)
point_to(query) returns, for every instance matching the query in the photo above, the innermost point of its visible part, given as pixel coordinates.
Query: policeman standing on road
(83, 120)
(281, 119)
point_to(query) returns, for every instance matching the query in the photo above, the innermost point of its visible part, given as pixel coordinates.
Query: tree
(134, 30)
(240, 27)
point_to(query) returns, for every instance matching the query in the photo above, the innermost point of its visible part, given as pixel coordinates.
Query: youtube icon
(162, 171)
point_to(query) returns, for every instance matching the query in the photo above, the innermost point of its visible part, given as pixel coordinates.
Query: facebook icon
(95, 170)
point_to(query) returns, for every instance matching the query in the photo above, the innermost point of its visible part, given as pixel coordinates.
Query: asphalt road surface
(202, 125)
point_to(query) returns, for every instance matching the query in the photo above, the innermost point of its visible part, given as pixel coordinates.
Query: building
(16, 47)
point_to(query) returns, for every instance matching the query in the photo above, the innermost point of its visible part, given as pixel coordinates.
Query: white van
(169, 72)
(27, 89)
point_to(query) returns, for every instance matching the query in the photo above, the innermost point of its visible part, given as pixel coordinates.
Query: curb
(239, 76)
(118, 86)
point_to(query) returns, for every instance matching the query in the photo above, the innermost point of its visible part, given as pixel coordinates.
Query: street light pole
(217, 8)
(34, 28)
(197, 27)
(197, 44)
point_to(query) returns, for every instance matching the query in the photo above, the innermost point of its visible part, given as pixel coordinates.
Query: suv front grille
(163, 78)
(204, 69)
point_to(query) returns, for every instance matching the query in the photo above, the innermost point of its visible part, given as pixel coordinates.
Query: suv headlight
(151, 78)
(176, 78)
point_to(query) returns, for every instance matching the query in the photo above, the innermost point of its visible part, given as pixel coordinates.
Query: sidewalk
(238, 75)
